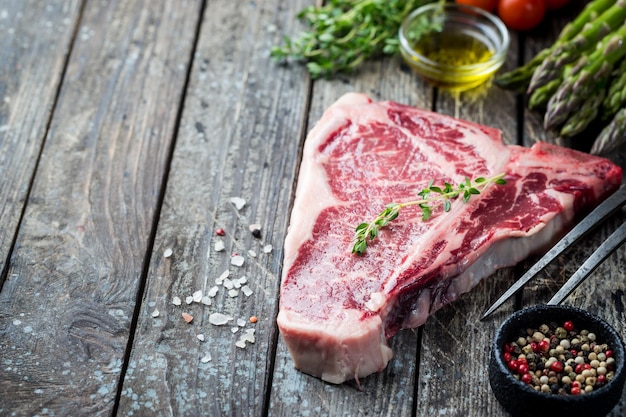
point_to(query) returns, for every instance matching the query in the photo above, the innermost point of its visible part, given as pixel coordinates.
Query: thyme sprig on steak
(430, 196)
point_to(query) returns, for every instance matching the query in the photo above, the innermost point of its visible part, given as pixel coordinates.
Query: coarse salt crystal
(241, 322)
(168, 252)
(228, 284)
(247, 291)
(189, 299)
(267, 248)
(176, 301)
(249, 336)
(233, 293)
(237, 260)
(222, 277)
(219, 319)
(238, 202)
(252, 253)
(206, 300)
(234, 329)
(243, 280)
(219, 246)
(213, 291)
(155, 313)
(206, 358)
(197, 296)
(236, 283)
(200, 337)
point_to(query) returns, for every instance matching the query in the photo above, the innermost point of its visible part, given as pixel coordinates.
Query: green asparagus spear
(616, 95)
(567, 52)
(519, 78)
(590, 73)
(581, 118)
(612, 136)
(540, 97)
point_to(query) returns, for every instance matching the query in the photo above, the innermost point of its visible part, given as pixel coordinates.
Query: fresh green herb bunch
(430, 195)
(344, 33)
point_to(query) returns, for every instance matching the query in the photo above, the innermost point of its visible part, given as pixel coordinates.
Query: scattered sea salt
(155, 313)
(247, 291)
(206, 300)
(267, 248)
(168, 252)
(238, 202)
(206, 358)
(252, 253)
(241, 322)
(197, 296)
(237, 260)
(240, 343)
(219, 319)
(189, 299)
(234, 329)
(200, 337)
(219, 245)
(176, 301)
(233, 293)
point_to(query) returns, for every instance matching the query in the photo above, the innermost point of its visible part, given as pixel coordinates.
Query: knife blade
(597, 216)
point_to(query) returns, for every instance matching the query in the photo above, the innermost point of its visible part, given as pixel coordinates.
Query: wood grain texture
(32, 58)
(67, 304)
(240, 136)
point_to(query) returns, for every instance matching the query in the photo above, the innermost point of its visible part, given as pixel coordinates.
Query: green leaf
(480, 180)
(473, 191)
(447, 205)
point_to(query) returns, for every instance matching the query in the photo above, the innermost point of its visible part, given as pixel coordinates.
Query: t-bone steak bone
(337, 309)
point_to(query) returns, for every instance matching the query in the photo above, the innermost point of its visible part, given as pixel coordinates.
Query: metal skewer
(597, 216)
(604, 251)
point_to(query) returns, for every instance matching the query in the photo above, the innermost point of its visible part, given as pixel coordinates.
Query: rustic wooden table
(126, 128)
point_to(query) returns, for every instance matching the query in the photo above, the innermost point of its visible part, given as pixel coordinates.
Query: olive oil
(453, 48)
(453, 59)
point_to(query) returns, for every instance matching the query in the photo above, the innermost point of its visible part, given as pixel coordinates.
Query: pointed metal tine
(617, 238)
(598, 215)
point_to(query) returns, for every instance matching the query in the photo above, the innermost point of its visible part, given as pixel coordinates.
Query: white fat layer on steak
(501, 254)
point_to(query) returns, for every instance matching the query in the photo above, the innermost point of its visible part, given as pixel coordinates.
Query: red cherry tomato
(521, 15)
(555, 4)
(488, 5)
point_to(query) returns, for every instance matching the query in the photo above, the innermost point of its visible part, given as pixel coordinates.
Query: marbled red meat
(338, 310)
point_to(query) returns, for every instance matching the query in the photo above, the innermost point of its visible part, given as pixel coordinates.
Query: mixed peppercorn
(559, 359)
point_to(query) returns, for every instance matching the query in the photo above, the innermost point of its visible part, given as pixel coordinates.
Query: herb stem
(429, 196)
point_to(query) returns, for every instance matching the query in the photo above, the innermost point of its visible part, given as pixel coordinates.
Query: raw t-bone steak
(337, 309)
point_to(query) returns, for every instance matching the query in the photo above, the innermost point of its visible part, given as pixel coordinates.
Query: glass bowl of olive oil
(453, 46)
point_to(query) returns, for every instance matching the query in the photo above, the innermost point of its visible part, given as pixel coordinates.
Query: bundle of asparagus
(582, 76)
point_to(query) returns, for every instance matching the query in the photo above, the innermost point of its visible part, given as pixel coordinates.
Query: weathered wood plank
(67, 304)
(389, 393)
(240, 136)
(32, 58)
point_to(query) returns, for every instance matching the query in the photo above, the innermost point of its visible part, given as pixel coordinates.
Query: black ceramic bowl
(520, 399)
